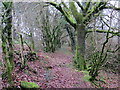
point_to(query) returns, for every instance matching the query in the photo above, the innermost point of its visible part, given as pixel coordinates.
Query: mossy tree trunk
(7, 45)
(32, 41)
(21, 51)
(80, 29)
(71, 36)
(79, 20)
(51, 34)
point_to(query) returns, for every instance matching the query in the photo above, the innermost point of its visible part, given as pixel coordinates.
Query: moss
(86, 77)
(79, 61)
(25, 84)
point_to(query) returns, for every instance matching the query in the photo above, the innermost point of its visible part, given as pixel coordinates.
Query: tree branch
(95, 9)
(79, 4)
(104, 31)
(109, 25)
(114, 50)
(87, 6)
(75, 13)
(68, 17)
(109, 7)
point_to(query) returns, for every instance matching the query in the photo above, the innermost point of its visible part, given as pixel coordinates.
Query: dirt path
(61, 74)
(54, 70)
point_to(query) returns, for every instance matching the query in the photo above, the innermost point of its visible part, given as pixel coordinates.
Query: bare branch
(79, 4)
(109, 7)
(114, 50)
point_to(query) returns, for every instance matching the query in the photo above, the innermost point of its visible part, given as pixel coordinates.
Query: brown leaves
(53, 71)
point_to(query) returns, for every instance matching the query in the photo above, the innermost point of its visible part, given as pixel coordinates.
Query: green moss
(25, 84)
(86, 76)
(85, 72)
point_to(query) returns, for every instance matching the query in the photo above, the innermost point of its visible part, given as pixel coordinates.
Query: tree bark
(81, 45)
(21, 51)
(32, 41)
(7, 45)
(81, 38)
(71, 36)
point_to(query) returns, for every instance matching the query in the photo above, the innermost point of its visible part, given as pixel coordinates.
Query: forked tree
(79, 17)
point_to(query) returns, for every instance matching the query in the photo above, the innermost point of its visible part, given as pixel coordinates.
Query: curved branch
(67, 16)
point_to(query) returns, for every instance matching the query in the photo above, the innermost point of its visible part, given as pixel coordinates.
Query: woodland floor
(55, 70)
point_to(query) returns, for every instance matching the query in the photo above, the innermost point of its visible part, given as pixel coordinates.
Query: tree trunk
(21, 51)
(32, 41)
(7, 45)
(72, 38)
(80, 46)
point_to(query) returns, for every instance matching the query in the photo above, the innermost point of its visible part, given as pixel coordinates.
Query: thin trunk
(21, 51)
(119, 39)
(32, 41)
